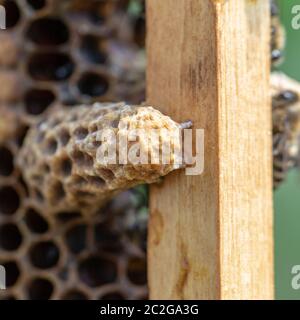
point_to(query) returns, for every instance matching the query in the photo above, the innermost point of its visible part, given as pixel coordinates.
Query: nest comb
(64, 53)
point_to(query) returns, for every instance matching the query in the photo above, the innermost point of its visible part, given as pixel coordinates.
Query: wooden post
(210, 236)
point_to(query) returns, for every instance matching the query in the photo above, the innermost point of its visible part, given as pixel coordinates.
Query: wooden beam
(210, 236)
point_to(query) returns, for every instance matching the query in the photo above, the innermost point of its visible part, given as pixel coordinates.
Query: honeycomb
(64, 53)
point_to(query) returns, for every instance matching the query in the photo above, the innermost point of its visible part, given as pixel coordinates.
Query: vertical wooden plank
(210, 236)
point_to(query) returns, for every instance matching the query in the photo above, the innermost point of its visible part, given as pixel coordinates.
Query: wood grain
(210, 236)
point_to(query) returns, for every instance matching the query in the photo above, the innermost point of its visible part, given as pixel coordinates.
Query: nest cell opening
(57, 192)
(51, 146)
(9, 200)
(35, 222)
(81, 133)
(93, 49)
(10, 237)
(7, 162)
(50, 66)
(96, 181)
(38, 100)
(63, 166)
(48, 31)
(13, 14)
(82, 159)
(44, 255)
(106, 239)
(40, 289)
(12, 273)
(96, 271)
(64, 136)
(76, 238)
(93, 84)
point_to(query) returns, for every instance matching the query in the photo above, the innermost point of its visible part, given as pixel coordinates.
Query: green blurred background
(287, 197)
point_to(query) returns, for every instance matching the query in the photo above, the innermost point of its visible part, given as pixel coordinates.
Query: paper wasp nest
(68, 52)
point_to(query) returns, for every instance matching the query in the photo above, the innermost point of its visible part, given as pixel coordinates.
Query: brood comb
(67, 52)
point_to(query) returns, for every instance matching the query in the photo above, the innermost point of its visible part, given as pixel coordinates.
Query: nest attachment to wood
(63, 156)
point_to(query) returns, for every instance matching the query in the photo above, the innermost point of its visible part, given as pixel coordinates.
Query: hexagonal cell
(64, 136)
(35, 222)
(40, 289)
(50, 146)
(7, 162)
(12, 273)
(50, 66)
(44, 255)
(57, 192)
(96, 271)
(93, 84)
(82, 159)
(9, 200)
(106, 174)
(76, 238)
(38, 100)
(37, 4)
(13, 14)
(63, 166)
(74, 295)
(107, 239)
(81, 133)
(137, 271)
(48, 31)
(94, 49)
(10, 237)
(95, 181)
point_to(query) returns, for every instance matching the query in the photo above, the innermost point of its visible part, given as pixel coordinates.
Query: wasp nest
(68, 52)
(286, 125)
(66, 162)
